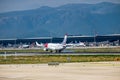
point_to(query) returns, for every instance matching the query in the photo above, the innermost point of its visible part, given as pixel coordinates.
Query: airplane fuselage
(54, 46)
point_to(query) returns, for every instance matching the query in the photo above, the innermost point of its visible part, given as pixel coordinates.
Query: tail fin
(38, 44)
(64, 40)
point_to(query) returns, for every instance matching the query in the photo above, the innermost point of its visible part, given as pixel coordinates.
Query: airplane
(24, 46)
(80, 44)
(57, 47)
(27, 46)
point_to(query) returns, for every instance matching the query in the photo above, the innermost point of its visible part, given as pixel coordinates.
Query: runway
(48, 53)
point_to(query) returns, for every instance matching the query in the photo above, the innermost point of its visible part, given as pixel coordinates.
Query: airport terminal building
(87, 39)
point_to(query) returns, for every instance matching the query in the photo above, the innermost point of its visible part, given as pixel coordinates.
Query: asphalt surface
(48, 53)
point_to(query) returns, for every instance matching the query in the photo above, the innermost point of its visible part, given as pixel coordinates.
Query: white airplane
(57, 47)
(80, 44)
(24, 46)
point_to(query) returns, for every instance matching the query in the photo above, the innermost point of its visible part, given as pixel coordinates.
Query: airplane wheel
(51, 51)
(56, 51)
(59, 51)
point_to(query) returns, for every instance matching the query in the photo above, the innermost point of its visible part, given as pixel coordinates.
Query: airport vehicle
(57, 47)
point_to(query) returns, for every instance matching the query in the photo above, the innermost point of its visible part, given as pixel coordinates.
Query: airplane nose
(46, 45)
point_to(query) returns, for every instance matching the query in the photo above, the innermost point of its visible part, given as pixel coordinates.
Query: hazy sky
(14, 5)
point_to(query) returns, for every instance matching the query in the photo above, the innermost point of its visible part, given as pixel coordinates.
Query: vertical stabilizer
(64, 40)
(39, 45)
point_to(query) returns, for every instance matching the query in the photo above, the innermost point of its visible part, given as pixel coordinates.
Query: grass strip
(22, 50)
(57, 58)
(97, 50)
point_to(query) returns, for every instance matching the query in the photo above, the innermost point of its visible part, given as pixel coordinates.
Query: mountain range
(74, 19)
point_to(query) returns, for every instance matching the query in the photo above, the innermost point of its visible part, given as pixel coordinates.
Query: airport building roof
(111, 37)
(69, 36)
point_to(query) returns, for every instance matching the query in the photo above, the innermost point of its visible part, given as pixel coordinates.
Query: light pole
(95, 34)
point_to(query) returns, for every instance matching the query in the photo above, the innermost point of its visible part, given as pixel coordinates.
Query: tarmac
(63, 71)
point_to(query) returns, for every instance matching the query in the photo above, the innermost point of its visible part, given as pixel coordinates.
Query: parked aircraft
(27, 45)
(80, 44)
(24, 46)
(57, 47)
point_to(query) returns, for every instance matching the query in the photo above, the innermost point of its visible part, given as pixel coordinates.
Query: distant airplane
(24, 46)
(27, 46)
(80, 44)
(57, 47)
